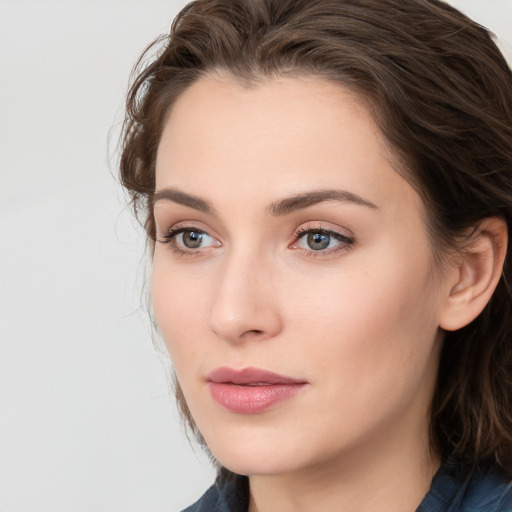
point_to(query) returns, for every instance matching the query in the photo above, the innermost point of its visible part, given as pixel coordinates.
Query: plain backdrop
(86, 420)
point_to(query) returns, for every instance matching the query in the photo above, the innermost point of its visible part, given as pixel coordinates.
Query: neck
(391, 477)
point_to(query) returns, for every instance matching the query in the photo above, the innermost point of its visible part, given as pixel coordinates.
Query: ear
(476, 274)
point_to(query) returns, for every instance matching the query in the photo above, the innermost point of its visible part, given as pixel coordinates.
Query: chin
(254, 458)
(260, 466)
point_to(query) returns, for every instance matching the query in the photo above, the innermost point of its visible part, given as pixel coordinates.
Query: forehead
(276, 138)
(231, 123)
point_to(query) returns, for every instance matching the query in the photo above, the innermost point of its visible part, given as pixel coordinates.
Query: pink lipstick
(250, 390)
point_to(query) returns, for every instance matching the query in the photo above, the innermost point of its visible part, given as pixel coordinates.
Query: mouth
(251, 390)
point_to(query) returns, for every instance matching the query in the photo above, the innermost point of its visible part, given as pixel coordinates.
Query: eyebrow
(176, 196)
(276, 209)
(301, 201)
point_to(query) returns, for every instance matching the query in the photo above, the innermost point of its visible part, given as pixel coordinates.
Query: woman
(327, 191)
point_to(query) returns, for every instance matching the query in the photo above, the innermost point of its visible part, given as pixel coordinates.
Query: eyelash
(346, 242)
(170, 239)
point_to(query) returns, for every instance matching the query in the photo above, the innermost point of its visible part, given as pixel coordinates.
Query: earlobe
(477, 272)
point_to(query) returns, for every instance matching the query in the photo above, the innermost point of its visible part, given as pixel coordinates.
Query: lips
(251, 390)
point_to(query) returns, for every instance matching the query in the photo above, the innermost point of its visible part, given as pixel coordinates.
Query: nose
(244, 303)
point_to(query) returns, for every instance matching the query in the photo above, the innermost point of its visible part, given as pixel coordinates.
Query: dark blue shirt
(452, 490)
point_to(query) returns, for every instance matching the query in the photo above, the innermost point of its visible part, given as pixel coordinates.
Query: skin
(358, 321)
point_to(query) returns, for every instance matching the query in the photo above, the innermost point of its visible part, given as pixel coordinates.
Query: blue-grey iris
(318, 241)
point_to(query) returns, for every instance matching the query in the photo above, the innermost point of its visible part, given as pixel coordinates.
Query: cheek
(370, 326)
(177, 305)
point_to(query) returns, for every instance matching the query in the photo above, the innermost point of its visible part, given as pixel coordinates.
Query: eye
(317, 241)
(188, 240)
(192, 239)
(320, 240)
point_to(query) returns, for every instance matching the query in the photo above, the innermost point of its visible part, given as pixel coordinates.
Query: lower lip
(251, 399)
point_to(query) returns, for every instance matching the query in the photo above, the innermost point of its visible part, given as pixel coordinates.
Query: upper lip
(249, 376)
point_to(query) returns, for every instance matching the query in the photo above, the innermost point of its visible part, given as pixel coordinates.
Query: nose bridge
(242, 304)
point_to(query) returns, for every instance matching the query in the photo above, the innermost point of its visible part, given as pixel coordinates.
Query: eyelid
(346, 240)
(325, 227)
(186, 225)
(171, 235)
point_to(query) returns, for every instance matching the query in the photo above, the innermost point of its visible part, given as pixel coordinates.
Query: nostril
(252, 332)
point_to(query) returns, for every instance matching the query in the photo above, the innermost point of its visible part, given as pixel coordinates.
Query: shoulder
(208, 501)
(456, 490)
(489, 491)
(229, 494)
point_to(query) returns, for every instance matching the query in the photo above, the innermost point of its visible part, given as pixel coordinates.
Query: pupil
(318, 241)
(192, 239)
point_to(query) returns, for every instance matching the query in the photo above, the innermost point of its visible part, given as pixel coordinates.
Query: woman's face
(293, 282)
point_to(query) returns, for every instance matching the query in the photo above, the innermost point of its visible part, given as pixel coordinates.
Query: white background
(86, 422)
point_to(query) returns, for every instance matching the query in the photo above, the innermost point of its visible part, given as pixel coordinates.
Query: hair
(440, 92)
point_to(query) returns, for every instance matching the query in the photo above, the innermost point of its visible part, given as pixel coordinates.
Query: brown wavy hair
(441, 93)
